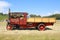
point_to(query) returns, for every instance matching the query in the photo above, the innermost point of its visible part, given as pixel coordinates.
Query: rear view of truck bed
(37, 19)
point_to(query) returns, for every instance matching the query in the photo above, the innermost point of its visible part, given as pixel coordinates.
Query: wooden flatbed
(37, 19)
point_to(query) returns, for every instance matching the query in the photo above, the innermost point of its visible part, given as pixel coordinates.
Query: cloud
(57, 12)
(50, 13)
(45, 14)
(4, 6)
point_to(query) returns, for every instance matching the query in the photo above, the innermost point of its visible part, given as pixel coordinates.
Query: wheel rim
(41, 27)
(9, 27)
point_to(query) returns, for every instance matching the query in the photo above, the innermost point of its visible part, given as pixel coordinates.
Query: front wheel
(9, 27)
(41, 27)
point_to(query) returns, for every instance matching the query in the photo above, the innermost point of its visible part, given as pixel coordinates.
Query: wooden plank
(30, 20)
(52, 20)
(38, 19)
(45, 19)
(41, 19)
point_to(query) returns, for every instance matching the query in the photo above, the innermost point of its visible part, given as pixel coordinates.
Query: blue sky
(38, 7)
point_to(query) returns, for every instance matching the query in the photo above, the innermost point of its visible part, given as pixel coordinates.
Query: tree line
(57, 16)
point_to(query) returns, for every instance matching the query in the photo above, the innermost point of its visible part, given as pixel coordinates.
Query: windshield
(16, 15)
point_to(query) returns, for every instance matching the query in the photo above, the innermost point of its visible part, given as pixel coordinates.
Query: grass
(3, 17)
(29, 37)
(3, 24)
(32, 36)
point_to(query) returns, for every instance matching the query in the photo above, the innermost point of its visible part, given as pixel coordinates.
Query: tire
(9, 27)
(41, 27)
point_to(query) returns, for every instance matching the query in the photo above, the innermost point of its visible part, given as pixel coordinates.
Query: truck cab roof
(18, 12)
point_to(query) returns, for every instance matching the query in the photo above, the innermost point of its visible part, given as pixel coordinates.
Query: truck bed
(37, 19)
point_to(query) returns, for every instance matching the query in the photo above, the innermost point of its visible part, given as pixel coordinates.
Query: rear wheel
(9, 27)
(41, 27)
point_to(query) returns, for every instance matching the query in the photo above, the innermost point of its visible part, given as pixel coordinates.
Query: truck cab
(19, 18)
(16, 19)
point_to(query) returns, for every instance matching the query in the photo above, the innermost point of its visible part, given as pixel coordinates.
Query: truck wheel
(9, 27)
(41, 27)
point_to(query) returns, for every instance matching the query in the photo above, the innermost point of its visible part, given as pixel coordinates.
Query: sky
(38, 7)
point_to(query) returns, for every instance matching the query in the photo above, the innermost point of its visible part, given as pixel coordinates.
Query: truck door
(23, 19)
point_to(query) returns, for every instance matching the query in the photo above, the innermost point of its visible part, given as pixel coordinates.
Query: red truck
(20, 20)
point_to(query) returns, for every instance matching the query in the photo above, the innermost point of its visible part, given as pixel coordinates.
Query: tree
(57, 16)
(1, 13)
(33, 15)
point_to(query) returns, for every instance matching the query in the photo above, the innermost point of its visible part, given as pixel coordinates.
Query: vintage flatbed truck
(20, 20)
